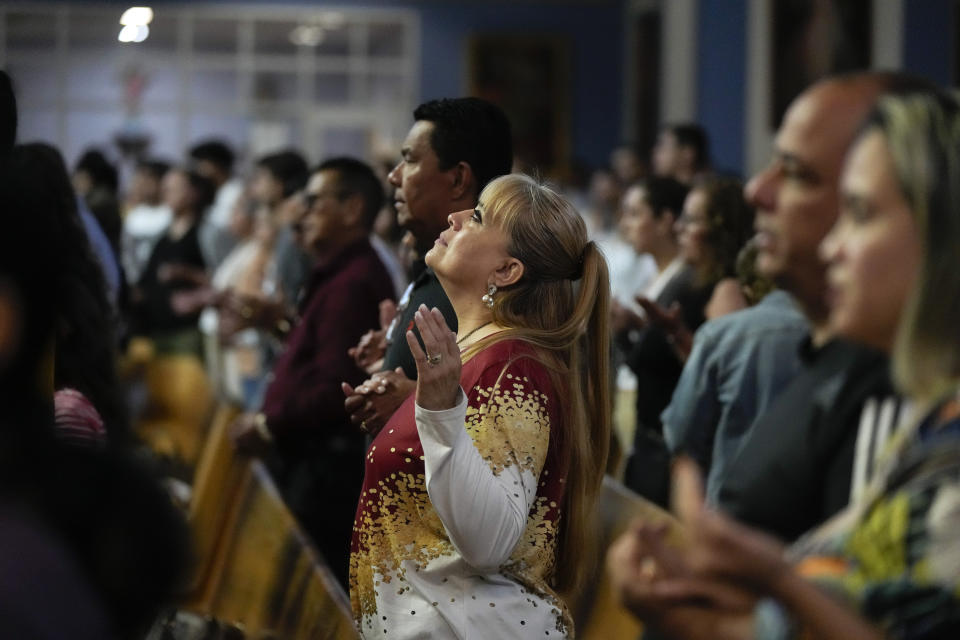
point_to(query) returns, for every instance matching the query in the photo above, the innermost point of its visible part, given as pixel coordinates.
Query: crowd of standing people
(431, 360)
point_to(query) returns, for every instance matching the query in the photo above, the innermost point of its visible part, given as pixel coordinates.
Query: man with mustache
(455, 147)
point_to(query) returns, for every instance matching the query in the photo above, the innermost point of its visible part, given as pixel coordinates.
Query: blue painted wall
(596, 55)
(721, 81)
(928, 38)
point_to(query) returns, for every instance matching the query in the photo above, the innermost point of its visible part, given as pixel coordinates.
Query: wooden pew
(255, 568)
(597, 614)
(219, 476)
(180, 403)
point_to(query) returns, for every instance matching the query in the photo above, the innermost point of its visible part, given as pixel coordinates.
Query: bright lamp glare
(136, 15)
(134, 33)
(307, 35)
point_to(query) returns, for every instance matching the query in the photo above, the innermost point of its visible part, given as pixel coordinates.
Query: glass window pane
(273, 37)
(386, 39)
(331, 88)
(87, 129)
(31, 31)
(214, 36)
(335, 42)
(346, 141)
(161, 80)
(230, 127)
(386, 89)
(163, 31)
(90, 78)
(94, 31)
(271, 134)
(270, 86)
(213, 86)
(34, 82)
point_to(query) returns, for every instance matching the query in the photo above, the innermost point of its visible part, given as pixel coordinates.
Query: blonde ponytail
(561, 307)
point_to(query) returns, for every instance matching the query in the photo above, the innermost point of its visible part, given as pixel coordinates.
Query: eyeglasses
(310, 199)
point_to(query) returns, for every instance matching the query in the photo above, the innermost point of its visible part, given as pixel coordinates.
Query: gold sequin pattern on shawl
(509, 425)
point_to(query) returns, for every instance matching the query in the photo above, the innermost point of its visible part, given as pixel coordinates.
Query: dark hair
(204, 191)
(215, 152)
(85, 354)
(101, 199)
(289, 168)
(102, 173)
(8, 114)
(729, 223)
(156, 168)
(357, 178)
(469, 130)
(665, 194)
(692, 135)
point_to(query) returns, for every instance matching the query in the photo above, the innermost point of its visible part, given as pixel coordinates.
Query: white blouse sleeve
(484, 513)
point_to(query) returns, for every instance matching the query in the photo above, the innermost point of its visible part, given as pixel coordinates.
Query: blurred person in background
(175, 265)
(146, 219)
(815, 447)
(387, 236)
(88, 401)
(631, 271)
(626, 165)
(275, 184)
(738, 365)
(715, 226)
(887, 566)
(247, 281)
(651, 210)
(214, 160)
(95, 183)
(95, 179)
(90, 547)
(682, 152)
(320, 466)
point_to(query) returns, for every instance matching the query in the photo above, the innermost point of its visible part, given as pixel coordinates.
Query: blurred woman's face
(637, 222)
(873, 252)
(693, 227)
(265, 188)
(177, 193)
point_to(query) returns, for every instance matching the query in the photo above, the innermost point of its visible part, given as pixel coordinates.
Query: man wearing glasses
(319, 462)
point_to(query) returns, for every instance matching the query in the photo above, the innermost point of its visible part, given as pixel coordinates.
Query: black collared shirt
(793, 469)
(426, 289)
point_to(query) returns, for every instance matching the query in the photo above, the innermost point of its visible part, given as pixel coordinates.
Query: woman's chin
(430, 257)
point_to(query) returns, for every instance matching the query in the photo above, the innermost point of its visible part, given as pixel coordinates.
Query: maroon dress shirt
(340, 304)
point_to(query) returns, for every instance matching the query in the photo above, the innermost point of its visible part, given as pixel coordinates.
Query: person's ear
(509, 272)
(353, 211)
(463, 180)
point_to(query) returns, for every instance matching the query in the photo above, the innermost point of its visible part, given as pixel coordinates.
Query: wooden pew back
(597, 613)
(255, 567)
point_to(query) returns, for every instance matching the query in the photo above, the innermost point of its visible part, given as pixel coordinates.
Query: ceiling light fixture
(136, 16)
(134, 33)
